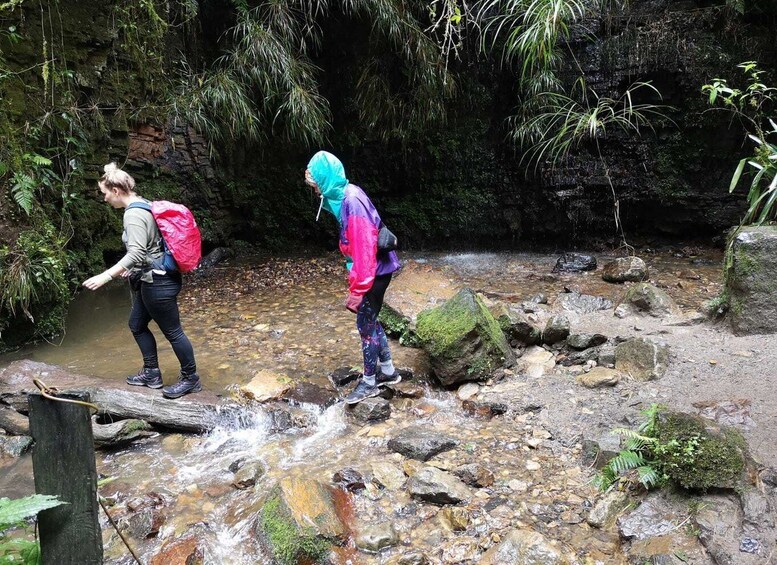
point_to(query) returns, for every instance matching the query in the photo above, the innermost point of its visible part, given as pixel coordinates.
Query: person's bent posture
(155, 286)
(369, 271)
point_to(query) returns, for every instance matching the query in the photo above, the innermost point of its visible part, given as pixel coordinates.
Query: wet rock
(603, 355)
(719, 457)
(412, 558)
(143, 524)
(727, 412)
(574, 263)
(247, 475)
(556, 329)
(14, 446)
(585, 341)
(349, 479)
(644, 298)
(388, 475)
(656, 516)
(235, 466)
(184, 551)
(536, 362)
(516, 327)
(509, 396)
(756, 509)
(454, 518)
(284, 417)
(464, 341)
(421, 443)
(641, 358)
(599, 377)
(467, 391)
(718, 520)
(308, 393)
(396, 324)
(460, 550)
(265, 386)
(374, 537)
(625, 269)
(751, 265)
(607, 508)
(298, 520)
(370, 410)
(526, 547)
(769, 476)
(343, 376)
(582, 303)
(598, 451)
(475, 475)
(438, 487)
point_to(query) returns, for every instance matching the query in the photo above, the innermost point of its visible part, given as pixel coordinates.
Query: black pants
(158, 301)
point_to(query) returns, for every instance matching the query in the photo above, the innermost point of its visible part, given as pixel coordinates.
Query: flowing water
(286, 315)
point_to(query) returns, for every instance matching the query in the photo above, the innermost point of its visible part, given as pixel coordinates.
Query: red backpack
(179, 231)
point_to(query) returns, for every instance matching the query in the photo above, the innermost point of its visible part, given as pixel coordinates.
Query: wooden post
(63, 465)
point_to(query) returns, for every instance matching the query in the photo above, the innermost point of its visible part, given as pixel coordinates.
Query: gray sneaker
(152, 378)
(385, 380)
(186, 384)
(362, 391)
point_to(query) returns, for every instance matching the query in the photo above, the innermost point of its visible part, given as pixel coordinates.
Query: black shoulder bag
(387, 241)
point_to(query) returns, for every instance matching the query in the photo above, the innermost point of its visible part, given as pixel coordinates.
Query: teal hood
(329, 174)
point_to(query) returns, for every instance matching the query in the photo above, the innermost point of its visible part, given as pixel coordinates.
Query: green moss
(394, 323)
(290, 545)
(695, 457)
(442, 329)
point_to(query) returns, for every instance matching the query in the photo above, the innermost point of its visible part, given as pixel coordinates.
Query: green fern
(23, 190)
(13, 512)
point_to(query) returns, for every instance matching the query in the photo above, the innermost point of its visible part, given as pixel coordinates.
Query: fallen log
(195, 413)
(13, 423)
(119, 434)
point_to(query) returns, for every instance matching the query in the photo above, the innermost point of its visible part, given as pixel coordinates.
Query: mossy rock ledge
(299, 522)
(751, 280)
(464, 341)
(699, 454)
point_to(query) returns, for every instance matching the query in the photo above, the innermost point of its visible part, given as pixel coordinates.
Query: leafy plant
(14, 513)
(638, 455)
(750, 104)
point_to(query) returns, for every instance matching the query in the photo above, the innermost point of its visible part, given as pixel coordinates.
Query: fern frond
(626, 461)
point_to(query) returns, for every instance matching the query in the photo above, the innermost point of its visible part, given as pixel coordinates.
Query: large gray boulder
(464, 341)
(641, 358)
(751, 281)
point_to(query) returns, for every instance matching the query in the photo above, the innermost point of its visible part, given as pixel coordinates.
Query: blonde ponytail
(114, 177)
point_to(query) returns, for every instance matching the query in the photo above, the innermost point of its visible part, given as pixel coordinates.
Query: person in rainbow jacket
(369, 270)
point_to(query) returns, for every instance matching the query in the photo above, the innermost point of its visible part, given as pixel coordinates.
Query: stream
(286, 315)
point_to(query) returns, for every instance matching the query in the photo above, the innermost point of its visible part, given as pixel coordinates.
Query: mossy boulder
(644, 298)
(751, 280)
(464, 341)
(699, 454)
(299, 521)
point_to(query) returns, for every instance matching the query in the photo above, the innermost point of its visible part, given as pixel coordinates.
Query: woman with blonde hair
(155, 283)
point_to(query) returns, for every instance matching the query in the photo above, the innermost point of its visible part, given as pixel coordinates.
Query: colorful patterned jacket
(359, 223)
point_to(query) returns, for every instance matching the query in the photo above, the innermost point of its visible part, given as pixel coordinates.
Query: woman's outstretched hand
(97, 281)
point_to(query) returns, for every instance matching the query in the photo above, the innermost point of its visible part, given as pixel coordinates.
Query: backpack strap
(142, 205)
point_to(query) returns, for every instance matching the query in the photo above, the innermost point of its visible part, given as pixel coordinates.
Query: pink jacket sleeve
(363, 243)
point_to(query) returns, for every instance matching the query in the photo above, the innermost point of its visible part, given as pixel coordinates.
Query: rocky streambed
(494, 471)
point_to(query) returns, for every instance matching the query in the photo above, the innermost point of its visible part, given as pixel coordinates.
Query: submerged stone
(464, 341)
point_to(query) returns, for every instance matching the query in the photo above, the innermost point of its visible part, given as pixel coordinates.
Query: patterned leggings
(374, 343)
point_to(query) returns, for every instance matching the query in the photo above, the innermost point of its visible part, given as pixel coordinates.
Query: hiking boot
(362, 391)
(152, 378)
(385, 380)
(185, 385)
